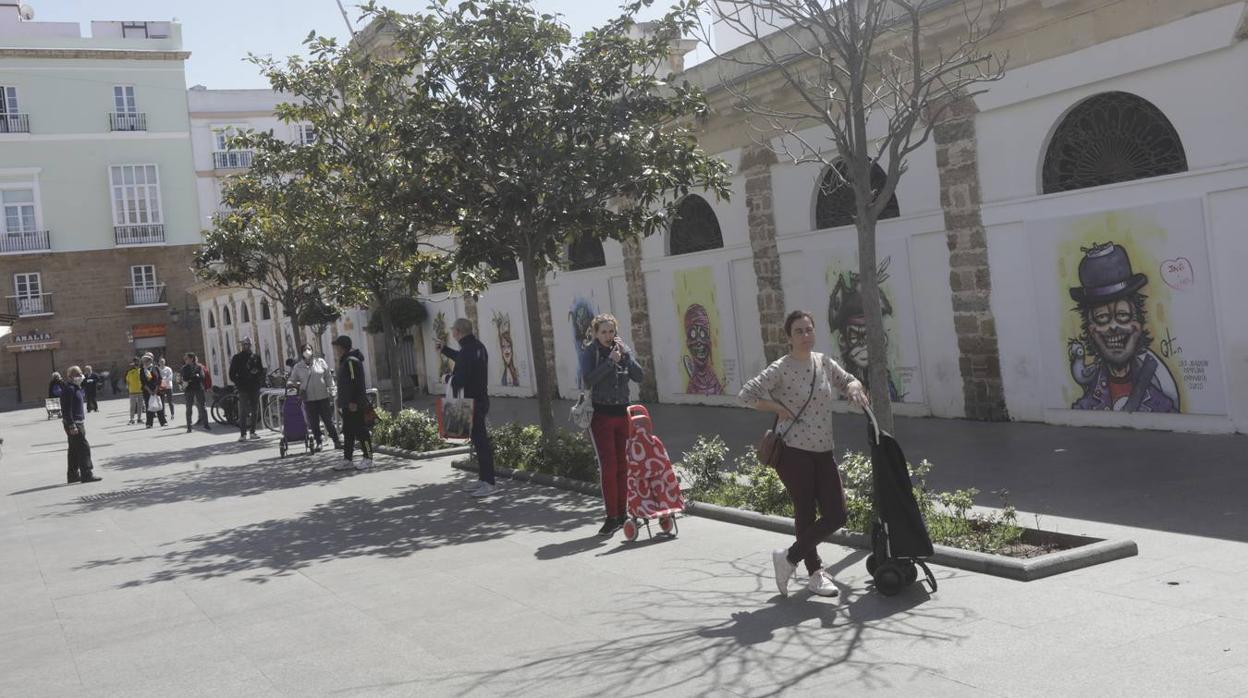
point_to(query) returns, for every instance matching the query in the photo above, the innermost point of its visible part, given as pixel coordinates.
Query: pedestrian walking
(247, 374)
(74, 417)
(353, 401)
(315, 382)
(193, 390)
(166, 386)
(152, 402)
(134, 384)
(471, 375)
(56, 385)
(91, 383)
(607, 365)
(799, 388)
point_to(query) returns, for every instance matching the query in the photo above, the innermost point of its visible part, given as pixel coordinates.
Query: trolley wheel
(282, 447)
(872, 565)
(890, 578)
(667, 524)
(630, 530)
(910, 572)
(309, 444)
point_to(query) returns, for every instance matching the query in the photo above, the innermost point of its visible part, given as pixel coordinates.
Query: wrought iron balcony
(27, 306)
(14, 123)
(139, 296)
(26, 241)
(127, 122)
(231, 159)
(140, 234)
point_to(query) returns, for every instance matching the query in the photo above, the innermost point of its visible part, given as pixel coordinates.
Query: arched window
(212, 320)
(835, 203)
(1111, 137)
(586, 253)
(244, 315)
(695, 227)
(265, 312)
(225, 316)
(506, 270)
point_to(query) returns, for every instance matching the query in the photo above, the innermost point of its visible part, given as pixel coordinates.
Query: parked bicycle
(224, 407)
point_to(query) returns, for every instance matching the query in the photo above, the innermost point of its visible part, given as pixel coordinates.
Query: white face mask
(307, 356)
(77, 380)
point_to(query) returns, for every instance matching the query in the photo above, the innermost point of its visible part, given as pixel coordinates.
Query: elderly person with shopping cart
(314, 380)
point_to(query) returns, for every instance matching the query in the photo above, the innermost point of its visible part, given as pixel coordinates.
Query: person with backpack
(353, 401)
(193, 379)
(247, 374)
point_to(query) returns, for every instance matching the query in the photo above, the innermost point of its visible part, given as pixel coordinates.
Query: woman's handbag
(582, 413)
(154, 404)
(772, 444)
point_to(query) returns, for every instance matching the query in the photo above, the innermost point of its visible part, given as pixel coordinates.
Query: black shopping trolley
(899, 538)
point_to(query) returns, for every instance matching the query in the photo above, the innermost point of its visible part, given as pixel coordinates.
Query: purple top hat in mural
(1105, 275)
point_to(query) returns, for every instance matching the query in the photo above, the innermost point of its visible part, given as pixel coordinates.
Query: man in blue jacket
(471, 376)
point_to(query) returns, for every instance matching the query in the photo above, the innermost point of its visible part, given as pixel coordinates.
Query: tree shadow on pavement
(416, 518)
(185, 456)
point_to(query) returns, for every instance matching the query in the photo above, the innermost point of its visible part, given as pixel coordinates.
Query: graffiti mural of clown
(699, 364)
(1112, 360)
(506, 350)
(848, 320)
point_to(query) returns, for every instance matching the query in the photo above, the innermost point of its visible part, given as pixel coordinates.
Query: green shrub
(564, 453)
(410, 430)
(706, 464)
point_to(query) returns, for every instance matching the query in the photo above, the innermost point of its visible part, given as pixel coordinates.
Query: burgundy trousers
(813, 483)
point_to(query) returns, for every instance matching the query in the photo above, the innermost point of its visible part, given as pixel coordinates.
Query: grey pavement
(201, 566)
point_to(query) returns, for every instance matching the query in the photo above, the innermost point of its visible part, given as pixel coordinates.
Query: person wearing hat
(247, 374)
(1124, 374)
(353, 402)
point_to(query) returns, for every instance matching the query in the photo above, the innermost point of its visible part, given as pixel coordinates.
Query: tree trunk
(545, 410)
(392, 357)
(877, 342)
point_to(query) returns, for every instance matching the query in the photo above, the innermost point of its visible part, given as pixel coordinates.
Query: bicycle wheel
(230, 407)
(218, 415)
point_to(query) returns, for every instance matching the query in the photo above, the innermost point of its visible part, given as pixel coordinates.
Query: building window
(28, 298)
(305, 134)
(11, 121)
(835, 202)
(1108, 138)
(695, 227)
(136, 195)
(243, 314)
(265, 312)
(586, 253)
(19, 211)
(212, 320)
(225, 316)
(224, 157)
(506, 270)
(123, 100)
(143, 287)
(125, 115)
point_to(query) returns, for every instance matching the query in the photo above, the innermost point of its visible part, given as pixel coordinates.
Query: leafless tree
(856, 84)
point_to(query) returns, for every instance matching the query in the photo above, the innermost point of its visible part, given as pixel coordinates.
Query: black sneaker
(610, 525)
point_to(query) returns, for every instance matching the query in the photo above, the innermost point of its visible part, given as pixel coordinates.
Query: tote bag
(454, 414)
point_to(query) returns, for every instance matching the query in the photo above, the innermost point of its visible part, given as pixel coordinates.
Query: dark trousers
(481, 441)
(92, 405)
(195, 398)
(317, 411)
(79, 457)
(610, 436)
(812, 481)
(167, 396)
(153, 415)
(354, 429)
(248, 404)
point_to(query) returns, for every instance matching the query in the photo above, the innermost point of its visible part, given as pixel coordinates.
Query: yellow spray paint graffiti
(698, 315)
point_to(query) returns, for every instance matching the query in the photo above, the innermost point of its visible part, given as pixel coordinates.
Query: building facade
(1067, 248)
(100, 217)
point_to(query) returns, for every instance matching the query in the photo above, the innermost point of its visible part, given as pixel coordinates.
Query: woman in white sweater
(806, 464)
(316, 386)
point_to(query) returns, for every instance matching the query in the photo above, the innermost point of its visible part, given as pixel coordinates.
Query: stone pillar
(756, 164)
(470, 310)
(970, 280)
(639, 318)
(548, 332)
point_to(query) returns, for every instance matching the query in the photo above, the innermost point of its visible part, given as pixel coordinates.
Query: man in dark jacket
(471, 375)
(353, 402)
(91, 383)
(193, 389)
(247, 374)
(74, 417)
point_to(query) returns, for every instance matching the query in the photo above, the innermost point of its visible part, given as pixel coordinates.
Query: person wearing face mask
(150, 378)
(193, 389)
(166, 386)
(312, 378)
(74, 417)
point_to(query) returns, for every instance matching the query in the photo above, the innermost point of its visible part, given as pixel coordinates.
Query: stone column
(970, 279)
(639, 318)
(756, 164)
(470, 310)
(548, 332)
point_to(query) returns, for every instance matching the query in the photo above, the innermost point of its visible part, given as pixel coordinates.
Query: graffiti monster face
(1116, 332)
(698, 333)
(853, 341)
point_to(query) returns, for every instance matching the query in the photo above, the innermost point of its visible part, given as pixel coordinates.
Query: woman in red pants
(800, 389)
(607, 366)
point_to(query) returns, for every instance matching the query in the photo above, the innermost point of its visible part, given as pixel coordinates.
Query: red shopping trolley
(653, 489)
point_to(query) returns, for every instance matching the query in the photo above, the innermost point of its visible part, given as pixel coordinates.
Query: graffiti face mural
(699, 362)
(704, 368)
(441, 333)
(580, 316)
(506, 350)
(848, 322)
(1112, 360)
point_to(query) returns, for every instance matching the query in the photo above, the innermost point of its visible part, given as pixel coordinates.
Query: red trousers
(610, 436)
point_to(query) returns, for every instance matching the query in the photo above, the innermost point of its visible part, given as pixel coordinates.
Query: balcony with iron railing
(127, 121)
(14, 123)
(231, 159)
(25, 241)
(139, 234)
(31, 305)
(144, 296)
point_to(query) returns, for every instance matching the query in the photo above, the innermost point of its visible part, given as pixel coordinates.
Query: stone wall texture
(639, 318)
(756, 165)
(548, 333)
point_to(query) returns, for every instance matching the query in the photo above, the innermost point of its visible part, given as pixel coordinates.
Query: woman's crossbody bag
(772, 444)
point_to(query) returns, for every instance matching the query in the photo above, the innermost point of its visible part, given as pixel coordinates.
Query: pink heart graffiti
(1178, 273)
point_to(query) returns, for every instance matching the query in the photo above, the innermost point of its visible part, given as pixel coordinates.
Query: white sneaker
(344, 465)
(255, 436)
(784, 569)
(821, 584)
(473, 486)
(365, 464)
(242, 437)
(485, 489)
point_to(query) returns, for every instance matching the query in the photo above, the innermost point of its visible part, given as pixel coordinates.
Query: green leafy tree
(552, 138)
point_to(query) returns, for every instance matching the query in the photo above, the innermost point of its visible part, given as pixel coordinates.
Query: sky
(220, 33)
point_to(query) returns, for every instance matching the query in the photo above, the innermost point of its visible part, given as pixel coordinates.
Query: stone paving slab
(201, 566)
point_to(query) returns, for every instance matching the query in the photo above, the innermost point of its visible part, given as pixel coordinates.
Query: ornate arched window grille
(695, 227)
(244, 315)
(586, 253)
(225, 316)
(1111, 137)
(835, 203)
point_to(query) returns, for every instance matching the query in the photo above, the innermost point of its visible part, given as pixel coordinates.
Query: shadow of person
(760, 626)
(555, 551)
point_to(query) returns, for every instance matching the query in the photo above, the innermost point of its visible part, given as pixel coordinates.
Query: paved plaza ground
(202, 566)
